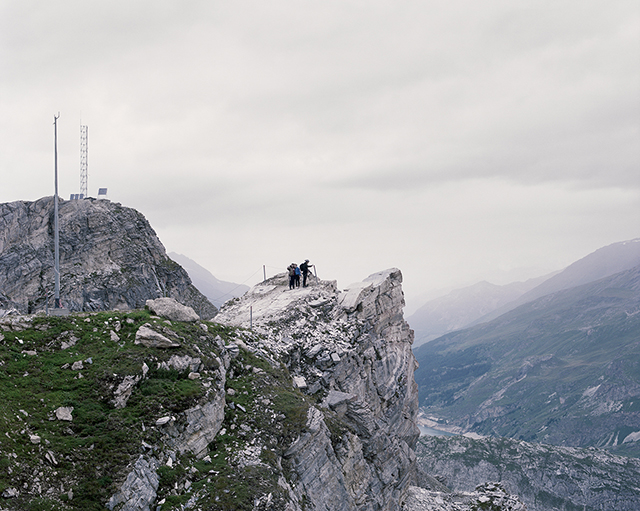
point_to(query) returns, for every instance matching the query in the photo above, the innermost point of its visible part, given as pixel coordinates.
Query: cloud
(469, 134)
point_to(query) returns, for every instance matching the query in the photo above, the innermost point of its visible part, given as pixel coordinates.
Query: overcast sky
(457, 140)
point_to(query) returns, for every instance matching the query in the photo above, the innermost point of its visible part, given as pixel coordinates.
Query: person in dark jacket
(304, 268)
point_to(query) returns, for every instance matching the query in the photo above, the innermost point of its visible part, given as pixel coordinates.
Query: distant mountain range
(464, 306)
(561, 369)
(484, 301)
(217, 291)
(602, 263)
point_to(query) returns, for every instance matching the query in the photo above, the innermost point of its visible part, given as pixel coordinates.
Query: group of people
(295, 271)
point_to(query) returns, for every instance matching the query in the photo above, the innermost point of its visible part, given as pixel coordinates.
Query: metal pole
(84, 160)
(56, 239)
(264, 272)
(251, 317)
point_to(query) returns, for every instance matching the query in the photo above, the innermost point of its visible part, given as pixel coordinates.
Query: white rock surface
(152, 339)
(63, 413)
(171, 309)
(355, 350)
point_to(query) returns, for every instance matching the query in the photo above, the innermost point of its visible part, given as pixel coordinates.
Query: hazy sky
(456, 140)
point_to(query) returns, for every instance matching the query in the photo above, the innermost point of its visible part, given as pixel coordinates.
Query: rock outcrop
(110, 258)
(352, 352)
(489, 496)
(139, 490)
(545, 477)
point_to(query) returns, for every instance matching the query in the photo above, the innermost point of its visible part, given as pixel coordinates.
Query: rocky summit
(110, 258)
(350, 354)
(291, 400)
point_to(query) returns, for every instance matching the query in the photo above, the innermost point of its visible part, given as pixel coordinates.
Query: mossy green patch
(89, 454)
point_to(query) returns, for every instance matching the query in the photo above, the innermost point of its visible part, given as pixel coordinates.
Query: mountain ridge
(462, 307)
(599, 264)
(216, 290)
(544, 370)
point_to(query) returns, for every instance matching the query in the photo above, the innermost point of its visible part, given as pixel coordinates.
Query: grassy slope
(94, 452)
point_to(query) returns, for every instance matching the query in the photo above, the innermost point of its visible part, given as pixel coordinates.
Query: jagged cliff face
(110, 258)
(351, 352)
(312, 410)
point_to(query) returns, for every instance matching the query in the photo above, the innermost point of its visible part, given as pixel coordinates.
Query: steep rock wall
(110, 258)
(351, 351)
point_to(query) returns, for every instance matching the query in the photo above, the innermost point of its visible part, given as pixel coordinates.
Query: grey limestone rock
(318, 470)
(63, 413)
(543, 476)
(181, 363)
(335, 398)
(193, 430)
(171, 309)
(110, 258)
(138, 492)
(151, 339)
(124, 390)
(354, 350)
(490, 496)
(10, 493)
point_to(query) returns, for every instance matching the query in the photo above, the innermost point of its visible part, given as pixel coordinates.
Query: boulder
(139, 489)
(300, 382)
(171, 309)
(10, 493)
(181, 363)
(152, 339)
(63, 413)
(124, 390)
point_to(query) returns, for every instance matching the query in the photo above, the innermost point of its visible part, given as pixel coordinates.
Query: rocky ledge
(351, 353)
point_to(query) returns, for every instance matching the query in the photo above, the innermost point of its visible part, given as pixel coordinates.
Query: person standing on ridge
(297, 272)
(304, 267)
(292, 275)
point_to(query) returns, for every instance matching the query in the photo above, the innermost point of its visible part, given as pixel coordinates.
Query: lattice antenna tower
(84, 160)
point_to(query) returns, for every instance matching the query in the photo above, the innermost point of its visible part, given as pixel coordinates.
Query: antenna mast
(84, 160)
(56, 239)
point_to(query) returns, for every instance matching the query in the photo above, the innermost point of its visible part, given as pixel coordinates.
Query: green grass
(94, 452)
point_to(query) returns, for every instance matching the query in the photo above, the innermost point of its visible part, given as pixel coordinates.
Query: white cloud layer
(455, 140)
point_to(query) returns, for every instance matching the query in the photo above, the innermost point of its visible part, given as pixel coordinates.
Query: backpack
(297, 270)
